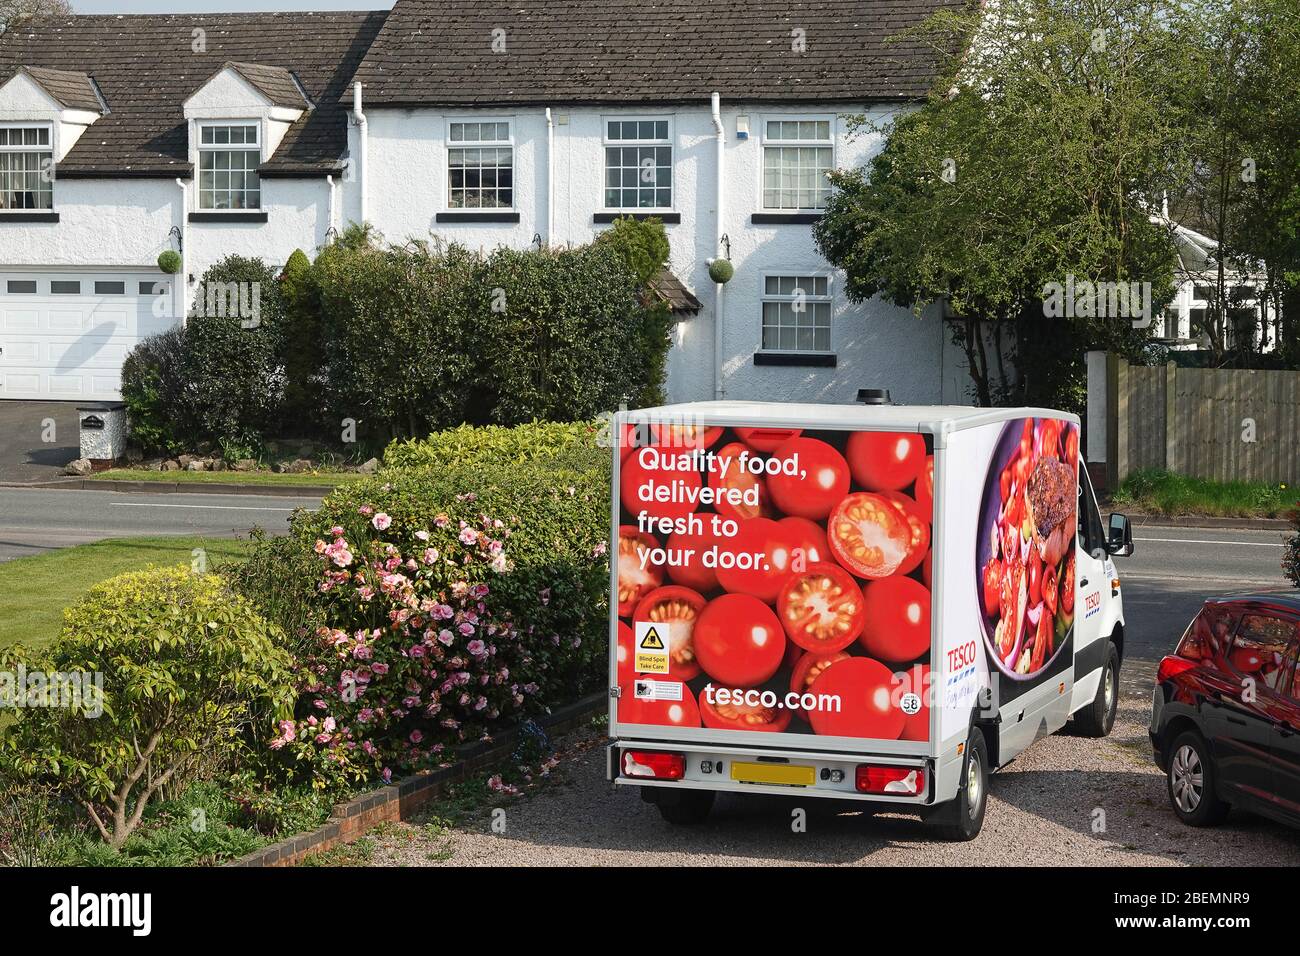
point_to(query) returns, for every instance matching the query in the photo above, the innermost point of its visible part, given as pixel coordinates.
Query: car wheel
(963, 818)
(1097, 719)
(1191, 778)
(680, 807)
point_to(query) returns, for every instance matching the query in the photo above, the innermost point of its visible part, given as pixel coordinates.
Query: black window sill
(228, 217)
(785, 218)
(477, 217)
(794, 359)
(665, 217)
(29, 217)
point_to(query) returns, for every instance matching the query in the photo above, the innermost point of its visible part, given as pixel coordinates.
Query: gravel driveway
(1042, 812)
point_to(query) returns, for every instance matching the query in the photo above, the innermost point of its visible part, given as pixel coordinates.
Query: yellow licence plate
(778, 773)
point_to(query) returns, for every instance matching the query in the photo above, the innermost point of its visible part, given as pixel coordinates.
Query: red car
(1225, 718)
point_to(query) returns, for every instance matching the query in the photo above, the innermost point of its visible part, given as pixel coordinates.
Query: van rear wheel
(680, 807)
(1097, 719)
(963, 818)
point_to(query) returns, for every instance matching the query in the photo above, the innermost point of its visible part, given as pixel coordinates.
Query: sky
(221, 6)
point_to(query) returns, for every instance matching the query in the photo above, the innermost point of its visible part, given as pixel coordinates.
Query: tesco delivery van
(858, 602)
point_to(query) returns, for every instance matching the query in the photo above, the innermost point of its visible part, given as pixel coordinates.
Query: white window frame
(828, 299)
(669, 141)
(50, 148)
(201, 148)
(766, 142)
(508, 143)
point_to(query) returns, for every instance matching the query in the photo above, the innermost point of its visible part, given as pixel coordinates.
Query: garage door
(64, 336)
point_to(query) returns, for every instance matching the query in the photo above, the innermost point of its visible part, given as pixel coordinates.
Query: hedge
(469, 446)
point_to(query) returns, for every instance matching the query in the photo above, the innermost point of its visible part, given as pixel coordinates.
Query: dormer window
(229, 155)
(26, 168)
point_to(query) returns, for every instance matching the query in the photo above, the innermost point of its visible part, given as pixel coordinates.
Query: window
(638, 164)
(153, 288)
(797, 155)
(480, 165)
(21, 287)
(110, 288)
(1262, 649)
(65, 287)
(796, 314)
(26, 164)
(1092, 532)
(228, 159)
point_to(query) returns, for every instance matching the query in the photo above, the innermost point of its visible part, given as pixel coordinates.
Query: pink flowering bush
(415, 656)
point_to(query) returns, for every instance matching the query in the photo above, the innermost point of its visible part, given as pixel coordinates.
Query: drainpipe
(329, 217)
(550, 178)
(362, 138)
(718, 290)
(181, 288)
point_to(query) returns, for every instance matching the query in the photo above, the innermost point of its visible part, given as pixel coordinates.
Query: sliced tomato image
(663, 713)
(637, 476)
(898, 619)
(685, 436)
(635, 582)
(810, 666)
(762, 545)
(821, 608)
(744, 716)
(927, 569)
(885, 461)
(624, 653)
(823, 479)
(627, 441)
(677, 609)
(924, 492)
(915, 680)
(992, 587)
(690, 571)
(742, 480)
(868, 535)
(918, 524)
(766, 440)
(863, 689)
(739, 641)
(806, 538)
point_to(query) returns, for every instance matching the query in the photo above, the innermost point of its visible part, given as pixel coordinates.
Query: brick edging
(397, 800)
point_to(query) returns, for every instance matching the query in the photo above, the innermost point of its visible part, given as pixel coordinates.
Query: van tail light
(653, 763)
(902, 781)
(1172, 666)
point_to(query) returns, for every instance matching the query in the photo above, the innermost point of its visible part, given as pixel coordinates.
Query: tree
(1031, 168)
(15, 12)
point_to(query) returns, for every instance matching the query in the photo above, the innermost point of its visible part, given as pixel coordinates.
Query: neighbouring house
(482, 123)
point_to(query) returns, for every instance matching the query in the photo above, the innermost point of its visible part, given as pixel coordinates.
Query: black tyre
(680, 807)
(1097, 719)
(1192, 780)
(963, 818)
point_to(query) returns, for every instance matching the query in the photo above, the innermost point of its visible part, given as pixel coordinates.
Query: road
(1067, 800)
(34, 520)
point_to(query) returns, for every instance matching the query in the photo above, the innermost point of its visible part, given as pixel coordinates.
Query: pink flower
(416, 736)
(477, 648)
(422, 535)
(465, 628)
(381, 521)
(381, 669)
(468, 536)
(446, 637)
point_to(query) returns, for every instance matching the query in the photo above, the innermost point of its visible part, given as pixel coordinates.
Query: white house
(477, 122)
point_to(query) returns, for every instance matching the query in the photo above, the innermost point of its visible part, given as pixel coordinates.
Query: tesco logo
(960, 657)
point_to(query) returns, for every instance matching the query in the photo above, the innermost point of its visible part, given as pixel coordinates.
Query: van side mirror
(1120, 539)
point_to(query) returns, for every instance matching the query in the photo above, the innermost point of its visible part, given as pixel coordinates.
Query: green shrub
(234, 353)
(155, 389)
(304, 356)
(182, 670)
(470, 446)
(641, 244)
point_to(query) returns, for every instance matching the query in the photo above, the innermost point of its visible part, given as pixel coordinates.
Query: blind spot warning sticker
(651, 648)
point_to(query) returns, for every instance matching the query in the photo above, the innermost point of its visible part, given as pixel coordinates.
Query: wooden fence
(1221, 424)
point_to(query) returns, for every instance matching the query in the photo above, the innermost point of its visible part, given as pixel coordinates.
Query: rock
(370, 467)
(153, 466)
(245, 464)
(134, 455)
(79, 468)
(219, 464)
(197, 464)
(184, 460)
(297, 466)
(171, 464)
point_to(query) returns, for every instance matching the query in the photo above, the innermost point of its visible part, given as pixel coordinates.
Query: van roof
(933, 419)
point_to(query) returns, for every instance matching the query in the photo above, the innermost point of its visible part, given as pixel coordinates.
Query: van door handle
(1083, 582)
(1236, 720)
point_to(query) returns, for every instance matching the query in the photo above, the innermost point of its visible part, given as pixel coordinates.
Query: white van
(858, 602)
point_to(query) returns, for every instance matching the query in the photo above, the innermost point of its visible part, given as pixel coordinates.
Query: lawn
(1165, 493)
(229, 477)
(34, 591)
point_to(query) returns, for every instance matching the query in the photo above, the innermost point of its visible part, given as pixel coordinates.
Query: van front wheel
(963, 818)
(1097, 719)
